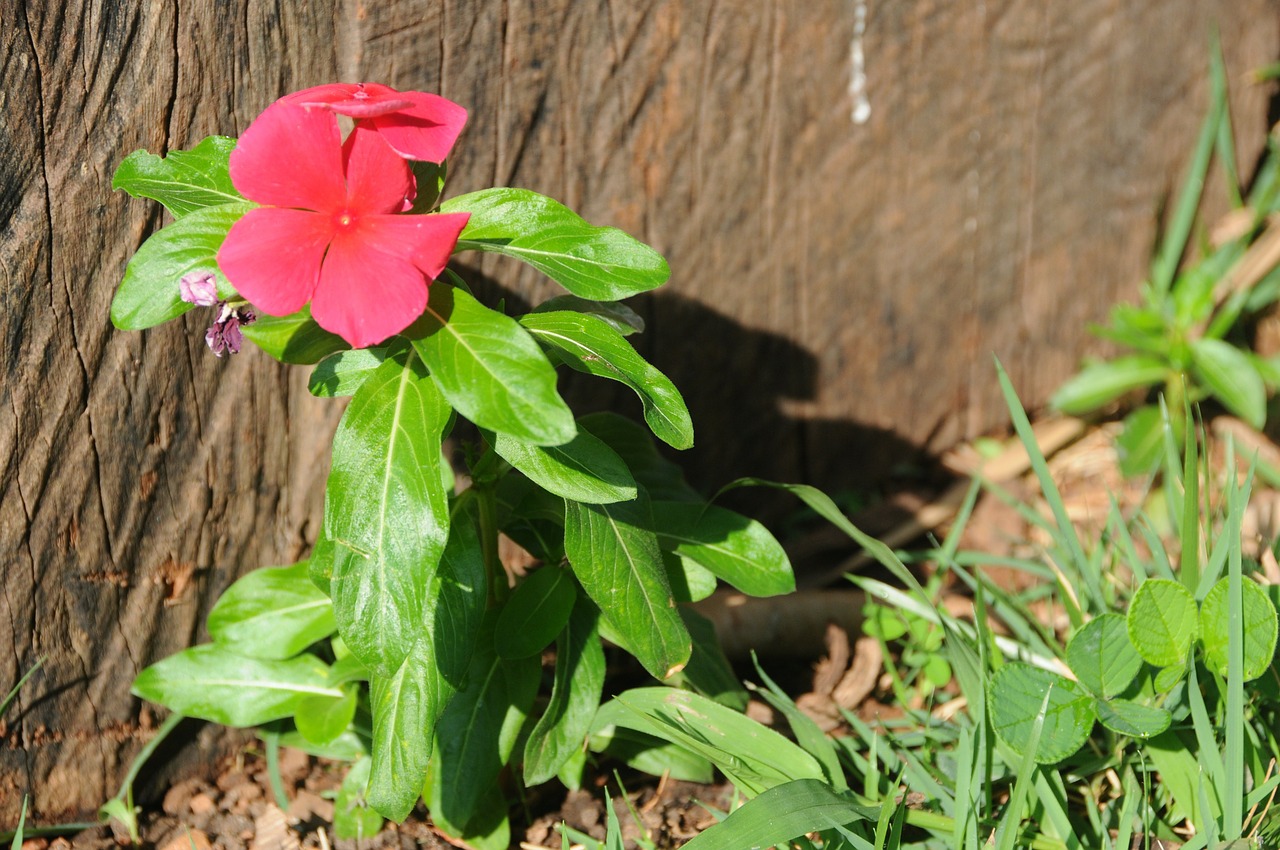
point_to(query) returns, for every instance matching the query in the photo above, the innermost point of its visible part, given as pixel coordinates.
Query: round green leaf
(1102, 657)
(1101, 383)
(1162, 621)
(1017, 691)
(1132, 719)
(1258, 623)
(538, 609)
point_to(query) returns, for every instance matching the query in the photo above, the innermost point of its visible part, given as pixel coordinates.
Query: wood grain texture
(837, 292)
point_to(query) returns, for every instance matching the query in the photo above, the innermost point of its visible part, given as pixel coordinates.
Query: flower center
(344, 221)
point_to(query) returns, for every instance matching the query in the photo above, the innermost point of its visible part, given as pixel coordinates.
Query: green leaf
(1258, 625)
(184, 181)
(1101, 383)
(1132, 719)
(689, 580)
(1102, 657)
(490, 369)
(751, 755)
(783, 813)
(622, 318)
(535, 613)
(1228, 373)
(599, 263)
(213, 683)
(1017, 692)
(1140, 444)
(646, 753)
(591, 345)
(562, 729)
(661, 478)
(584, 469)
(321, 719)
(386, 512)
(477, 732)
(1162, 621)
(149, 293)
(618, 562)
(407, 705)
(295, 338)
(342, 373)
(272, 613)
(708, 671)
(346, 747)
(353, 819)
(736, 549)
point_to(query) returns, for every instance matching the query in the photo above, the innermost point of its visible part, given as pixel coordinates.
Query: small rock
(188, 839)
(35, 844)
(201, 804)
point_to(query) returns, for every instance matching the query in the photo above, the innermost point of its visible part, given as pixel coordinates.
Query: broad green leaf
(531, 517)
(489, 827)
(623, 319)
(689, 580)
(491, 369)
(599, 263)
(184, 181)
(407, 706)
(149, 293)
(1228, 374)
(535, 613)
(708, 671)
(1132, 719)
(429, 178)
(386, 512)
(644, 752)
(346, 747)
(661, 478)
(1162, 621)
(321, 719)
(783, 813)
(1102, 657)
(1258, 624)
(342, 373)
(1017, 692)
(272, 613)
(584, 469)
(477, 732)
(213, 683)
(751, 755)
(295, 338)
(736, 549)
(562, 729)
(618, 562)
(1140, 444)
(353, 819)
(591, 345)
(1101, 383)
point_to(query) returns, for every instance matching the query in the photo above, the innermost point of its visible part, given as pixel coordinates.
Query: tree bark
(838, 288)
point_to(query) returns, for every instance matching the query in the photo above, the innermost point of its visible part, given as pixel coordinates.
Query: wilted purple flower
(225, 334)
(199, 288)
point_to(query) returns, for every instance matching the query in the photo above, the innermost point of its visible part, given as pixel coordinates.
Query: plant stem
(486, 503)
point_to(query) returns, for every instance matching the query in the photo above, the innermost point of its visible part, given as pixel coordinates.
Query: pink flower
(417, 125)
(327, 231)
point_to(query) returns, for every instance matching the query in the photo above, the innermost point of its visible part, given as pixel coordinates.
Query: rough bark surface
(838, 288)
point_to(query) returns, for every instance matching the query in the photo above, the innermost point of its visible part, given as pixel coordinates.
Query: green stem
(487, 505)
(168, 726)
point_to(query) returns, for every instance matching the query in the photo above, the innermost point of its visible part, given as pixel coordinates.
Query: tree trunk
(838, 286)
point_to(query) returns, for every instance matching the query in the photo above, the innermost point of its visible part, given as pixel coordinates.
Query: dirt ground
(236, 810)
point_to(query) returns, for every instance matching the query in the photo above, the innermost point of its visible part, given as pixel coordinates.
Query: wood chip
(859, 682)
(188, 839)
(271, 831)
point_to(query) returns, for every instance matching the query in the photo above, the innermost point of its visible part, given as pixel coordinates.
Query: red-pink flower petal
(291, 156)
(273, 257)
(378, 180)
(427, 241)
(364, 295)
(357, 100)
(427, 130)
